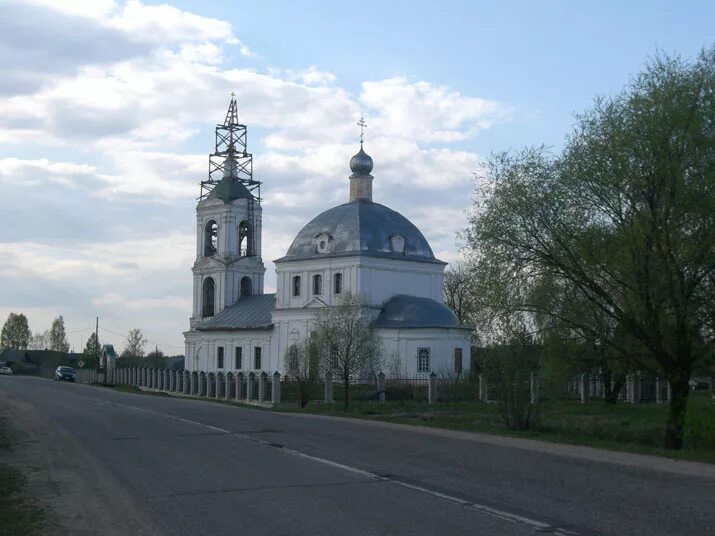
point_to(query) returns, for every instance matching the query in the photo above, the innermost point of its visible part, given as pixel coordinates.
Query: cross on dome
(363, 125)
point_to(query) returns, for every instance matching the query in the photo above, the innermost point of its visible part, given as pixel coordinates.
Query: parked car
(5, 370)
(65, 374)
(697, 384)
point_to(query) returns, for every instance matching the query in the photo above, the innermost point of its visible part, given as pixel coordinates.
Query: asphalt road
(133, 464)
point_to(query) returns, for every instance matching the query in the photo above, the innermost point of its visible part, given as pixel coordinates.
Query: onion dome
(361, 163)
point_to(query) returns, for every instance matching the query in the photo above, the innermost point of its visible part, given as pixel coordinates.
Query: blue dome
(360, 228)
(404, 312)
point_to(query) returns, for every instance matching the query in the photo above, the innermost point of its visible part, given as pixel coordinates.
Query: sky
(107, 111)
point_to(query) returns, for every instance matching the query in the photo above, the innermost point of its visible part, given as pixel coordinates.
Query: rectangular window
(338, 283)
(423, 355)
(458, 360)
(257, 351)
(239, 358)
(219, 357)
(296, 285)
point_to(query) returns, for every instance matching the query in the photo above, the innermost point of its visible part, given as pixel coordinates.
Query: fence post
(432, 388)
(585, 388)
(203, 378)
(380, 387)
(211, 385)
(186, 380)
(276, 398)
(219, 383)
(239, 385)
(534, 387)
(329, 388)
(249, 386)
(262, 381)
(229, 386)
(634, 383)
(483, 388)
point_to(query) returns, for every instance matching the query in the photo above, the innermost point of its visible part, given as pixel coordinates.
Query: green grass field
(626, 427)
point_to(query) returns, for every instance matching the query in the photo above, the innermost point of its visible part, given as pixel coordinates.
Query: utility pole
(96, 335)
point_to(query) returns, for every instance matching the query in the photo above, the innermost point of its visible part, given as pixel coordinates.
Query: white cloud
(426, 112)
(115, 159)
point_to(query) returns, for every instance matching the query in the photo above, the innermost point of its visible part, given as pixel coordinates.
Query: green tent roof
(229, 189)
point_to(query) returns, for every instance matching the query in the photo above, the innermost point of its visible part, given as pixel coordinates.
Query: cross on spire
(363, 125)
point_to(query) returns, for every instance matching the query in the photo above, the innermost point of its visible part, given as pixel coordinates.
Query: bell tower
(228, 263)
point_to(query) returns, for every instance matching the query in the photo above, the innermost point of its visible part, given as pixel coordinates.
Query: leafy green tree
(348, 346)
(58, 337)
(93, 346)
(134, 347)
(15, 332)
(623, 220)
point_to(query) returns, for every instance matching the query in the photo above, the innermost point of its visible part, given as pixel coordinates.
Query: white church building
(361, 247)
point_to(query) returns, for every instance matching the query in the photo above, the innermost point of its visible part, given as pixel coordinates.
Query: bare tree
(134, 346)
(299, 367)
(458, 294)
(40, 341)
(348, 345)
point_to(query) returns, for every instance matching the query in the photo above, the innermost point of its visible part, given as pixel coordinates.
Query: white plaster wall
(441, 342)
(201, 350)
(377, 279)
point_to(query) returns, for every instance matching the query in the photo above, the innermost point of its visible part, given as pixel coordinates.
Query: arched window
(317, 285)
(246, 286)
(210, 238)
(296, 285)
(208, 297)
(338, 283)
(245, 246)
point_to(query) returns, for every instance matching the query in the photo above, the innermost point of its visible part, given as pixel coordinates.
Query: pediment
(208, 263)
(315, 303)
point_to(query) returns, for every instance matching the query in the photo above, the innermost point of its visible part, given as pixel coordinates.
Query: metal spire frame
(231, 144)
